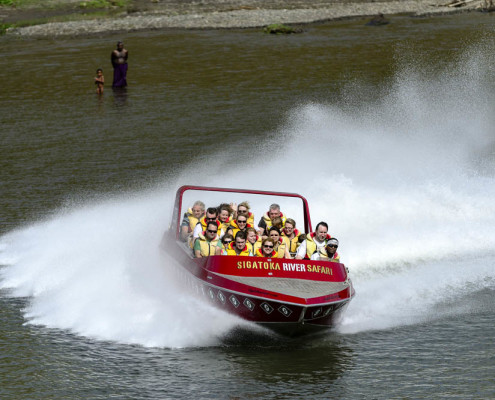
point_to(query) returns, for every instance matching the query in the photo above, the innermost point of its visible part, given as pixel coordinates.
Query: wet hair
(225, 206)
(274, 228)
(244, 204)
(278, 222)
(98, 70)
(212, 210)
(227, 236)
(251, 229)
(321, 224)
(120, 42)
(240, 235)
(212, 223)
(268, 240)
(199, 203)
(290, 221)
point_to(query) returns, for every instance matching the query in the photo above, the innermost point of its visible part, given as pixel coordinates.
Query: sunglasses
(242, 211)
(227, 242)
(241, 222)
(268, 247)
(211, 231)
(211, 219)
(332, 246)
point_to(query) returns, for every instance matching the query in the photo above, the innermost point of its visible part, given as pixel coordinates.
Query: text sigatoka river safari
(288, 280)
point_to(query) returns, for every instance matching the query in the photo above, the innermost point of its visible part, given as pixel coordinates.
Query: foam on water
(403, 183)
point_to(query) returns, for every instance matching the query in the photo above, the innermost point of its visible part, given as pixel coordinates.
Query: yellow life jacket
(191, 218)
(259, 253)
(235, 227)
(250, 218)
(311, 246)
(268, 221)
(280, 247)
(294, 242)
(224, 225)
(324, 256)
(231, 250)
(202, 221)
(207, 248)
(254, 247)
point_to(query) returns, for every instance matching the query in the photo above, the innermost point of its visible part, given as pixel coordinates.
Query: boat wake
(406, 184)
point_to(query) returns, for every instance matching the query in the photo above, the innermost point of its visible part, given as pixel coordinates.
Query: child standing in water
(99, 81)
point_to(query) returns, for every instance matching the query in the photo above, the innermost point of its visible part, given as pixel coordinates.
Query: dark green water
(231, 108)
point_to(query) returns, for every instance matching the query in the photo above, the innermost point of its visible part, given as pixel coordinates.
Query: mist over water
(403, 179)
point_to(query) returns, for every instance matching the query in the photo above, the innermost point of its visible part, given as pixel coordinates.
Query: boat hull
(224, 282)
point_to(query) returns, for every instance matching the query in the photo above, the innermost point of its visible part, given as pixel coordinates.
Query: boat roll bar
(180, 192)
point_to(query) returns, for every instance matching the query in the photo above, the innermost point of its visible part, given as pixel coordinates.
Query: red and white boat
(289, 296)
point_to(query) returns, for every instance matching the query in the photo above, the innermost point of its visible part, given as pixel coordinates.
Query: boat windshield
(291, 205)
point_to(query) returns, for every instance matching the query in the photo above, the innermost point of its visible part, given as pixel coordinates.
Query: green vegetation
(18, 3)
(4, 27)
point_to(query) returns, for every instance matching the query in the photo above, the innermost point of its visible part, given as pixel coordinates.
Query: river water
(388, 132)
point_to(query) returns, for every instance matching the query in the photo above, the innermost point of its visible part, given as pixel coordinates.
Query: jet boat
(289, 296)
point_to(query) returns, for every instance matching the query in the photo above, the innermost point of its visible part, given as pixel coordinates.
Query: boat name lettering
(320, 268)
(258, 265)
(294, 267)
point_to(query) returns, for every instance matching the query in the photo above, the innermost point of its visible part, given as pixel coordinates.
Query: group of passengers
(228, 230)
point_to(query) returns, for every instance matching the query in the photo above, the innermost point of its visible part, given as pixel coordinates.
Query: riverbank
(207, 14)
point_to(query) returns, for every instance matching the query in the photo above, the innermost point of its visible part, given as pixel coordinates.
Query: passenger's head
(321, 231)
(224, 211)
(332, 246)
(198, 209)
(278, 222)
(211, 230)
(290, 225)
(301, 238)
(211, 214)
(229, 231)
(243, 208)
(251, 235)
(240, 240)
(274, 211)
(242, 222)
(274, 234)
(267, 246)
(227, 239)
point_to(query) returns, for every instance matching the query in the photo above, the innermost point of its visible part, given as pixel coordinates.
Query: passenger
(292, 234)
(278, 223)
(211, 216)
(225, 212)
(329, 253)
(281, 243)
(253, 241)
(316, 240)
(243, 209)
(238, 247)
(191, 218)
(239, 224)
(207, 241)
(226, 240)
(229, 231)
(267, 249)
(266, 221)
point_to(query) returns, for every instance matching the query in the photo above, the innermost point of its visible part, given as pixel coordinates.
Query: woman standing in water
(119, 62)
